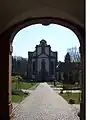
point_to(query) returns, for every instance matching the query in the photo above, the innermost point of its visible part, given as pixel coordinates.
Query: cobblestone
(44, 104)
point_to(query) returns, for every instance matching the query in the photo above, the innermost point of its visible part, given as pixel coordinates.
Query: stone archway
(9, 34)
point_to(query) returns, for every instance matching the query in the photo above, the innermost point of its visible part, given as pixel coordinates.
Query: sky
(58, 37)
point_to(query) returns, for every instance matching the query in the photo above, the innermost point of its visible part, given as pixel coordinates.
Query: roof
(67, 67)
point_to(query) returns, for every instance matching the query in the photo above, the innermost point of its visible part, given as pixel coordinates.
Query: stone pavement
(15, 105)
(44, 104)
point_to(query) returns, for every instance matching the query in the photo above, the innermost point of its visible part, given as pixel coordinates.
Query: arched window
(52, 67)
(43, 49)
(34, 66)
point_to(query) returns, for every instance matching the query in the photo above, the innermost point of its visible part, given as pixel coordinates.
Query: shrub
(68, 93)
(16, 92)
(26, 93)
(65, 87)
(32, 83)
(71, 87)
(14, 79)
(61, 92)
(71, 101)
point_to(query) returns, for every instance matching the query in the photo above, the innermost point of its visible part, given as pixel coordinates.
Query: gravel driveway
(44, 104)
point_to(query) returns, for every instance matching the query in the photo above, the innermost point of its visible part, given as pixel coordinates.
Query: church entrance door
(43, 72)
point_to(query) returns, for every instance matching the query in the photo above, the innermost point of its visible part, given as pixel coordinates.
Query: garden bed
(72, 97)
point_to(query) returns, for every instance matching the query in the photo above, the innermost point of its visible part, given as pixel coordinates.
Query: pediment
(42, 55)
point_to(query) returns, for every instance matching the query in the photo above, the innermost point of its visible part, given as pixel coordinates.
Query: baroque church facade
(42, 63)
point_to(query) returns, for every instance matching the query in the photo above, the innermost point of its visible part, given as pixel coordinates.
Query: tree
(59, 77)
(74, 53)
(18, 82)
(75, 58)
(67, 58)
(19, 65)
(66, 75)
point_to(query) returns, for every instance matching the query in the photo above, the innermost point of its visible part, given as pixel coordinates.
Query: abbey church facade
(42, 63)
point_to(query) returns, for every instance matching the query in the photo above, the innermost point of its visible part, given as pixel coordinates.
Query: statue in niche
(43, 70)
(43, 49)
(43, 64)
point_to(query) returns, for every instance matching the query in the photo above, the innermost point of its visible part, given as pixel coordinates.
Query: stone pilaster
(5, 103)
(82, 83)
(10, 79)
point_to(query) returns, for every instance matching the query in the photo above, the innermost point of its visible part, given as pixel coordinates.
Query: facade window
(34, 66)
(52, 67)
(43, 64)
(43, 49)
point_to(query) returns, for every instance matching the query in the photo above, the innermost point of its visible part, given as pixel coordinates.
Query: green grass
(24, 85)
(59, 86)
(52, 83)
(17, 98)
(74, 96)
(70, 86)
(37, 84)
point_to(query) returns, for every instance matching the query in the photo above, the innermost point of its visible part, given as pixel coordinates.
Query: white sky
(59, 37)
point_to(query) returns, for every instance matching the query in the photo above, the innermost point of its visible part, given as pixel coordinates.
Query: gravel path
(44, 104)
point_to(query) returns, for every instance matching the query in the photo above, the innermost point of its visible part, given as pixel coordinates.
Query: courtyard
(45, 104)
(21, 89)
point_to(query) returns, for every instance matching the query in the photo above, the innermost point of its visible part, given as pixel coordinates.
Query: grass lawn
(59, 86)
(74, 96)
(65, 86)
(70, 86)
(17, 98)
(36, 85)
(24, 85)
(52, 83)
